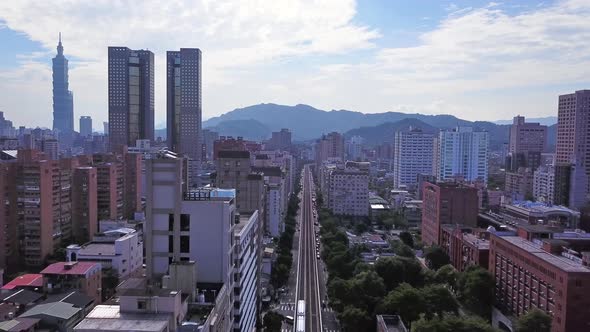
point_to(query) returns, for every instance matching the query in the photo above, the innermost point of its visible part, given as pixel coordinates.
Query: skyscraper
(85, 126)
(131, 96)
(63, 99)
(463, 152)
(183, 105)
(572, 151)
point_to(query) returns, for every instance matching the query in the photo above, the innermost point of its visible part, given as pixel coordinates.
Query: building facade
(544, 184)
(412, 155)
(463, 153)
(131, 96)
(329, 147)
(528, 140)
(85, 126)
(446, 203)
(571, 147)
(184, 105)
(63, 98)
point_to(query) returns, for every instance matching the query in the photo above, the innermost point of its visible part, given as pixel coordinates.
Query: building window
(185, 244)
(171, 222)
(141, 304)
(185, 222)
(170, 244)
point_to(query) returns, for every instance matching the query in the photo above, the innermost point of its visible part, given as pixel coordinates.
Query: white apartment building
(246, 272)
(347, 188)
(276, 198)
(463, 153)
(120, 249)
(412, 155)
(544, 184)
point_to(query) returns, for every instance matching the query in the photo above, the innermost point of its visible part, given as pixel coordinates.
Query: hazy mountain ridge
(307, 123)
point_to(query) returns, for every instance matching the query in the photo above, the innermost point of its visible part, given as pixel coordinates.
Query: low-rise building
(390, 323)
(120, 250)
(465, 246)
(83, 276)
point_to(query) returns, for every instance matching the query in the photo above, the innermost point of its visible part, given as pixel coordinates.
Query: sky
(477, 60)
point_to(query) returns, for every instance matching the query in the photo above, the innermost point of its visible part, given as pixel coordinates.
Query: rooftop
(391, 323)
(560, 262)
(540, 207)
(233, 154)
(245, 220)
(61, 310)
(476, 241)
(110, 318)
(22, 296)
(71, 268)
(97, 249)
(209, 194)
(18, 324)
(26, 280)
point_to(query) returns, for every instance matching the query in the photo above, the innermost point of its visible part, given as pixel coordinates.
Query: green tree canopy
(436, 257)
(272, 321)
(475, 287)
(407, 238)
(446, 275)
(534, 320)
(452, 324)
(406, 301)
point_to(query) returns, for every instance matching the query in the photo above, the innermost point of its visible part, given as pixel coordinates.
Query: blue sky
(478, 60)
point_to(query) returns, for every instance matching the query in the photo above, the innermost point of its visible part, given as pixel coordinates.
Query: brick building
(447, 203)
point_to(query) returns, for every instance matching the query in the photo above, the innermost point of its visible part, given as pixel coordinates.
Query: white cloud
(233, 35)
(477, 63)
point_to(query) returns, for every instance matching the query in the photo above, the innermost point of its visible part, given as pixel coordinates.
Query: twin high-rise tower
(131, 100)
(63, 99)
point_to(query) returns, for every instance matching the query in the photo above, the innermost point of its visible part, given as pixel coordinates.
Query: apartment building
(463, 152)
(413, 152)
(544, 184)
(349, 189)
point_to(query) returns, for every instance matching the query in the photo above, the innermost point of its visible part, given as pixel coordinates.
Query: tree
(407, 238)
(446, 275)
(391, 270)
(355, 319)
(436, 257)
(475, 287)
(439, 300)
(534, 320)
(273, 322)
(279, 275)
(406, 301)
(402, 249)
(452, 324)
(367, 289)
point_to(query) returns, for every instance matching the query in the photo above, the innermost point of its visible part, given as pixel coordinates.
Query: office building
(463, 152)
(209, 137)
(571, 147)
(85, 126)
(528, 140)
(329, 147)
(412, 155)
(354, 148)
(446, 203)
(63, 99)
(544, 184)
(549, 274)
(131, 96)
(184, 106)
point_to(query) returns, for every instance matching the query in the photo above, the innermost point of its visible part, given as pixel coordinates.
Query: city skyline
(390, 59)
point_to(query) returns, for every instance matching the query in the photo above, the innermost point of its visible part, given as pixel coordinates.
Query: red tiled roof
(32, 280)
(77, 268)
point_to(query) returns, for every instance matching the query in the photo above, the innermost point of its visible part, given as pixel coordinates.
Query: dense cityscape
(282, 218)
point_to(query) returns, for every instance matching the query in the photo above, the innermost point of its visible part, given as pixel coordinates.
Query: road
(308, 286)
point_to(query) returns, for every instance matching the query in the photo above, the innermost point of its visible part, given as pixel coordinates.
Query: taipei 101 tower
(63, 99)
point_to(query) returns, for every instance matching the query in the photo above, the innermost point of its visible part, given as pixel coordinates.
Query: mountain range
(307, 123)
